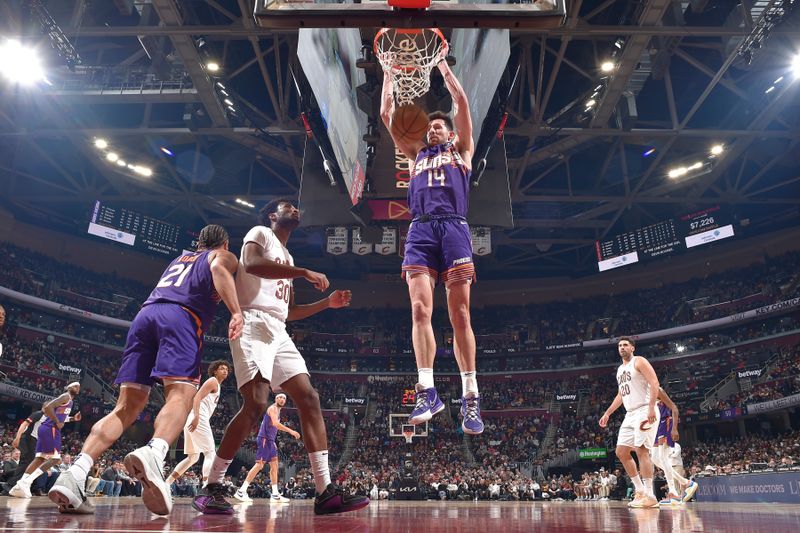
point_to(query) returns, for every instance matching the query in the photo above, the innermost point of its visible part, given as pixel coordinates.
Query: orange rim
(410, 31)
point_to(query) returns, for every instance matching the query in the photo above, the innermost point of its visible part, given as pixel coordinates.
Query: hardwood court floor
(128, 515)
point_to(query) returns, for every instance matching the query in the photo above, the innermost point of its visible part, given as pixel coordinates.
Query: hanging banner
(337, 240)
(481, 240)
(388, 244)
(389, 209)
(401, 249)
(360, 248)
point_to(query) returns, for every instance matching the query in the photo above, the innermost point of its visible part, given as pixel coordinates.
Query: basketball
(409, 123)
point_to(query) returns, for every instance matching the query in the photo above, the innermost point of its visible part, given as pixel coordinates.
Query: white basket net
(410, 55)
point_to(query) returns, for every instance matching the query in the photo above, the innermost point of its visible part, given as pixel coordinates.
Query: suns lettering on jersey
(437, 161)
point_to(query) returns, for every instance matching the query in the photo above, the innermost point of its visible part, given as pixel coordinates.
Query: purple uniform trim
(188, 282)
(441, 248)
(165, 341)
(267, 450)
(439, 242)
(664, 426)
(439, 182)
(49, 440)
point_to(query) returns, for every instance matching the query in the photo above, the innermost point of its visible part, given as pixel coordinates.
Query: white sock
(319, 467)
(637, 483)
(244, 486)
(275, 491)
(160, 446)
(218, 469)
(469, 383)
(25, 477)
(36, 473)
(670, 482)
(81, 467)
(425, 377)
(648, 486)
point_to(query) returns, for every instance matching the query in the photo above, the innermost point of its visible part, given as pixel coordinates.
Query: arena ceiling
(699, 73)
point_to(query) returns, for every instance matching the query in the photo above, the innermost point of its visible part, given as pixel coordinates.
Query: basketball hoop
(409, 436)
(410, 55)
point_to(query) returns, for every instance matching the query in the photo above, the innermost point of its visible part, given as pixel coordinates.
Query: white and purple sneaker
(428, 405)
(472, 424)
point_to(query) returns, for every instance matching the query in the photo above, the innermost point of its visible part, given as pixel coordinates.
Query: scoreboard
(139, 231)
(665, 237)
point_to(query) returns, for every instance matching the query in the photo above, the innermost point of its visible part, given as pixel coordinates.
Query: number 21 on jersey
(436, 174)
(180, 271)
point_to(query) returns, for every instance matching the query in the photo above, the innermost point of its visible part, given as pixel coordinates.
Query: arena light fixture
(770, 89)
(678, 172)
(680, 348)
(111, 156)
(167, 151)
(143, 171)
(796, 65)
(244, 203)
(591, 103)
(102, 144)
(212, 66)
(717, 149)
(122, 163)
(20, 64)
(648, 152)
(607, 66)
(228, 101)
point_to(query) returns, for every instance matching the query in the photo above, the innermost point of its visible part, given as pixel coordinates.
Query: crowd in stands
(517, 328)
(722, 456)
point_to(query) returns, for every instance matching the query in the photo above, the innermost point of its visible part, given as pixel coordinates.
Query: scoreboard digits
(665, 237)
(138, 230)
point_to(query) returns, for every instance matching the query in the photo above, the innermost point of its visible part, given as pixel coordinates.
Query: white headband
(279, 395)
(74, 383)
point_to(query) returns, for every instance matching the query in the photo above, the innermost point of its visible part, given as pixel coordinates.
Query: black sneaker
(212, 500)
(335, 500)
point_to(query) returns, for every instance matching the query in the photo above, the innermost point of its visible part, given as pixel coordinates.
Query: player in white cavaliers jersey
(266, 357)
(197, 435)
(638, 390)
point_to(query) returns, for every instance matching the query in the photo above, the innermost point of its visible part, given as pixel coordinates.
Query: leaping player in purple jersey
(164, 344)
(439, 245)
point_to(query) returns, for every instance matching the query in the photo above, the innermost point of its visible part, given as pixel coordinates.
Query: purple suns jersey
(187, 282)
(267, 430)
(62, 412)
(440, 182)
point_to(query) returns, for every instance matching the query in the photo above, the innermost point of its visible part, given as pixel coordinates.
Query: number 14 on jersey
(436, 174)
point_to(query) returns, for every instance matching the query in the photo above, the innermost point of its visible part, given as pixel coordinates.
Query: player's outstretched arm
(611, 409)
(336, 300)
(223, 266)
(462, 118)
(273, 415)
(258, 264)
(207, 388)
(22, 429)
(387, 111)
